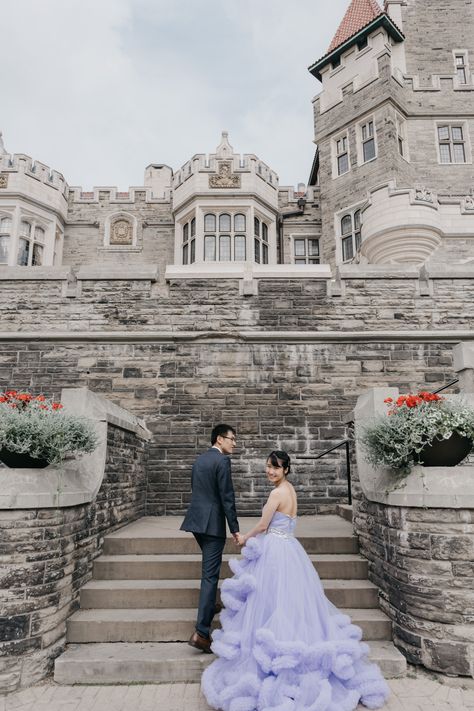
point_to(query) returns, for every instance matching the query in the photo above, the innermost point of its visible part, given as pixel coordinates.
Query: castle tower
(393, 126)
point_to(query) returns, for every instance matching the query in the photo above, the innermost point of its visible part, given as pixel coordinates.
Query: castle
(391, 181)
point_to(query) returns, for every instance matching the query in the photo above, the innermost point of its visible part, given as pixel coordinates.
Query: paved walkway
(419, 691)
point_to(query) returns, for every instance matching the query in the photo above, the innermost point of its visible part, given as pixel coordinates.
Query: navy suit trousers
(212, 548)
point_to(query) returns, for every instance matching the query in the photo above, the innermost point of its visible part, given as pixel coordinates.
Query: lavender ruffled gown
(283, 645)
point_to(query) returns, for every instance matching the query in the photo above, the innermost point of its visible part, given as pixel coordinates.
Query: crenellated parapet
(17, 165)
(136, 194)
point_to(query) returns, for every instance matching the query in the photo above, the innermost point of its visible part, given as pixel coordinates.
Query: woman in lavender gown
(283, 645)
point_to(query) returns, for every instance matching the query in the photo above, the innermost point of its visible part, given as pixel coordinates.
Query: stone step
(344, 511)
(144, 567)
(176, 625)
(127, 663)
(129, 594)
(157, 535)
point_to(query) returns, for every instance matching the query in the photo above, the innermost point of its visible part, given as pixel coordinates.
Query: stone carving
(121, 232)
(469, 203)
(3, 180)
(424, 195)
(225, 178)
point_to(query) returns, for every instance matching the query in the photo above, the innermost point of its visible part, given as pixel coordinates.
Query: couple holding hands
(283, 645)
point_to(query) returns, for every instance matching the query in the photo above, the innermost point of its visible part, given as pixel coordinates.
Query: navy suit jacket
(212, 499)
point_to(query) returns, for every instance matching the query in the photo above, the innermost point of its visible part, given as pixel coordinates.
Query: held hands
(240, 540)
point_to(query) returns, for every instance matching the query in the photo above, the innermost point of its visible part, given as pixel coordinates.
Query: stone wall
(46, 555)
(422, 561)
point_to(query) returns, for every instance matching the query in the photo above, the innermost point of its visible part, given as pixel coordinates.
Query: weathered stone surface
(37, 597)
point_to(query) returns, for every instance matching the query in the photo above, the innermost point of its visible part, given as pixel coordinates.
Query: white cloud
(100, 88)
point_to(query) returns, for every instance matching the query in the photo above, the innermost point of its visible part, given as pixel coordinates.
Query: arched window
(209, 223)
(350, 235)
(5, 234)
(239, 223)
(224, 223)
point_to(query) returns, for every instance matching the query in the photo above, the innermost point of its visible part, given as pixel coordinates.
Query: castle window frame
(229, 242)
(341, 155)
(366, 140)
(452, 142)
(189, 241)
(402, 137)
(306, 249)
(461, 66)
(6, 226)
(260, 241)
(31, 242)
(350, 233)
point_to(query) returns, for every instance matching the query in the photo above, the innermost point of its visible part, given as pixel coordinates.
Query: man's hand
(235, 536)
(241, 540)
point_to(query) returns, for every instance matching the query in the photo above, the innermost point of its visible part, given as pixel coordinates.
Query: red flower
(57, 406)
(388, 399)
(40, 398)
(3, 399)
(11, 393)
(12, 404)
(43, 407)
(24, 397)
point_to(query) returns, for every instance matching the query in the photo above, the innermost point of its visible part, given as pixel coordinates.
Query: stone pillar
(464, 365)
(417, 532)
(52, 525)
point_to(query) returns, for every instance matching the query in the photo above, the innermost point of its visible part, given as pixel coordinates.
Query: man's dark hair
(221, 431)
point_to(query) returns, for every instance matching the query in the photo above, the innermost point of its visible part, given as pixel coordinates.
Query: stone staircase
(140, 607)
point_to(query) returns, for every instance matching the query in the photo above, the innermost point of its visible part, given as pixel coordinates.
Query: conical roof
(359, 14)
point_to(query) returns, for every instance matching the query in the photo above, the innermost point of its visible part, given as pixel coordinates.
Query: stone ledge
(75, 481)
(220, 270)
(257, 336)
(125, 273)
(34, 273)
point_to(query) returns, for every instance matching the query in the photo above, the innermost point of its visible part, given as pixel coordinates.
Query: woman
(283, 645)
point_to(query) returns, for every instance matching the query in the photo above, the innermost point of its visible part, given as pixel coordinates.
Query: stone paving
(419, 691)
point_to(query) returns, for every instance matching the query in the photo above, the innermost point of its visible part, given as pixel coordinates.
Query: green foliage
(41, 429)
(395, 439)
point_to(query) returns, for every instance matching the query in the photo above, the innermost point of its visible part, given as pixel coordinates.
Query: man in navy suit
(212, 502)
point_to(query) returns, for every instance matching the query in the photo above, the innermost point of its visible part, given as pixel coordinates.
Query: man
(212, 502)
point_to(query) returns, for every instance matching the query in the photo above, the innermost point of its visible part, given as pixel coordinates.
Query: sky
(99, 89)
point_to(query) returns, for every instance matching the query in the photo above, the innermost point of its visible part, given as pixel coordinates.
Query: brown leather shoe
(218, 608)
(199, 642)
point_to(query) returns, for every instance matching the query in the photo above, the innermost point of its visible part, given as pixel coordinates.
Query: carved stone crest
(121, 232)
(3, 180)
(469, 203)
(225, 177)
(424, 195)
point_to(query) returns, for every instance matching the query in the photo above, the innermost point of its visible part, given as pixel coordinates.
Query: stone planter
(21, 460)
(445, 452)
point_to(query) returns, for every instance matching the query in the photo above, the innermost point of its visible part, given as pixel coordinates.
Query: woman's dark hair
(279, 458)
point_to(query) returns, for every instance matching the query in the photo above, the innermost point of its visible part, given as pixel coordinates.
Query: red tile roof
(358, 15)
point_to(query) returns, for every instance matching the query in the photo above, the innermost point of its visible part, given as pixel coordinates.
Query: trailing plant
(412, 422)
(37, 426)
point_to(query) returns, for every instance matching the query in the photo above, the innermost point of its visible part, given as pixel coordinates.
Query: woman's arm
(268, 510)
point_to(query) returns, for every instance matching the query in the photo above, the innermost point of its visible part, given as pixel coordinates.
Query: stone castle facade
(391, 183)
(212, 293)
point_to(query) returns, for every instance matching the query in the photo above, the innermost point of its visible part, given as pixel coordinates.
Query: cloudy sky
(98, 89)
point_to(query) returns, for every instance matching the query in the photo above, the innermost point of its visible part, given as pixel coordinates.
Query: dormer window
(362, 43)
